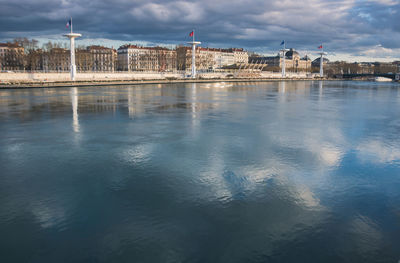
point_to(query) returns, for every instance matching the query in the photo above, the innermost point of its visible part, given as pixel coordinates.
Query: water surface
(220, 172)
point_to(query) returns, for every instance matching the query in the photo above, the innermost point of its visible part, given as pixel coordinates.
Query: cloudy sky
(355, 30)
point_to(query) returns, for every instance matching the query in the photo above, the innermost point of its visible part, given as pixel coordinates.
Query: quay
(94, 83)
(31, 80)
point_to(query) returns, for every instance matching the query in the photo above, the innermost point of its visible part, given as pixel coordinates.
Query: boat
(383, 79)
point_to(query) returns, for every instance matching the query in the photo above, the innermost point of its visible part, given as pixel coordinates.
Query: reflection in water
(321, 83)
(194, 99)
(282, 86)
(131, 101)
(379, 151)
(74, 102)
(194, 105)
(244, 172)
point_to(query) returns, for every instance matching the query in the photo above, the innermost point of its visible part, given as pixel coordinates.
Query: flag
(69, 23)
(320, 47)
(283, 43)
(191, 34)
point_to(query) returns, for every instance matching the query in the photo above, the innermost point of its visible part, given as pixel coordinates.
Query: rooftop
(10, 45)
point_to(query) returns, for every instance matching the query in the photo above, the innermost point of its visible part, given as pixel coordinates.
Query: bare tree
(28, 45)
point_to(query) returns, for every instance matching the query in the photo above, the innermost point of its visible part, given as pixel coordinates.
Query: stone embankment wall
(52, 77)
(11, 77)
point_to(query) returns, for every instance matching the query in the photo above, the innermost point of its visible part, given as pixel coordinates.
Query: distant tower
(321, 62)
(193, 43)
(283, 61)
(72, 37)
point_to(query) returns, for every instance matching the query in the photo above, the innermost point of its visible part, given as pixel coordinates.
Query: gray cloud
(347, 27)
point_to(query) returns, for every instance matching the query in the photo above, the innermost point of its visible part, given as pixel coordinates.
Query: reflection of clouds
(213, 180)
(137, 154)
(328, 154)
(307, 197)
(247, 180)
(378, 152)
(322, 137)
(302, 195)
(328, 143)
(134, 156)
(365, 236)
(48, 215)
(14, 148)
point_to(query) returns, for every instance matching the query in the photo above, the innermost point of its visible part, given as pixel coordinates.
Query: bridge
(372, 75)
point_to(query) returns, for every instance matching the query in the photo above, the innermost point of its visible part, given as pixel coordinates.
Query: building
(316, 62)
(92, 59)
(241, 56)
(293, 61)
(223, 58)
(138, 58)
(56, 59)
(97, 59)
(34, 60)
(385, 67)
(12, 57)
(210, 58)
(205, 58)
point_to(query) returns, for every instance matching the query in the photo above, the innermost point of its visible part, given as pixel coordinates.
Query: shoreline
(65, 84)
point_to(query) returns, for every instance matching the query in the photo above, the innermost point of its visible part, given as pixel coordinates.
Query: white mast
(194, 43)
(283, 60)
(72, 37)
(321, 62)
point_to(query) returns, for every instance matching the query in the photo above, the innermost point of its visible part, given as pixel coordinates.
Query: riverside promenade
(32, 80)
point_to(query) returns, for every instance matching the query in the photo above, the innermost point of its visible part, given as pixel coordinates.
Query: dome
(292, 53)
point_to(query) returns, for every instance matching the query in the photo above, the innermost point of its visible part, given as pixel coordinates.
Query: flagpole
(71, 25)
(193, 35)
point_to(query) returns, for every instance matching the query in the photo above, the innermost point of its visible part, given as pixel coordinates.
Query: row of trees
(30, 58)
(49, 56)
(342, 67)
(31, 45)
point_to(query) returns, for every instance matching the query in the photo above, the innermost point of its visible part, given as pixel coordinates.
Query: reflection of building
(293, 61)
(137, 58)
(210, 58)
(11, 57)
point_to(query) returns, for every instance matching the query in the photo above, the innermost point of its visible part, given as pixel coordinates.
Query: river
(297, 171)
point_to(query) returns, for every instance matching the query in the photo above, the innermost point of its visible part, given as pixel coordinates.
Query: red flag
(320, 47)
(191, 33)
